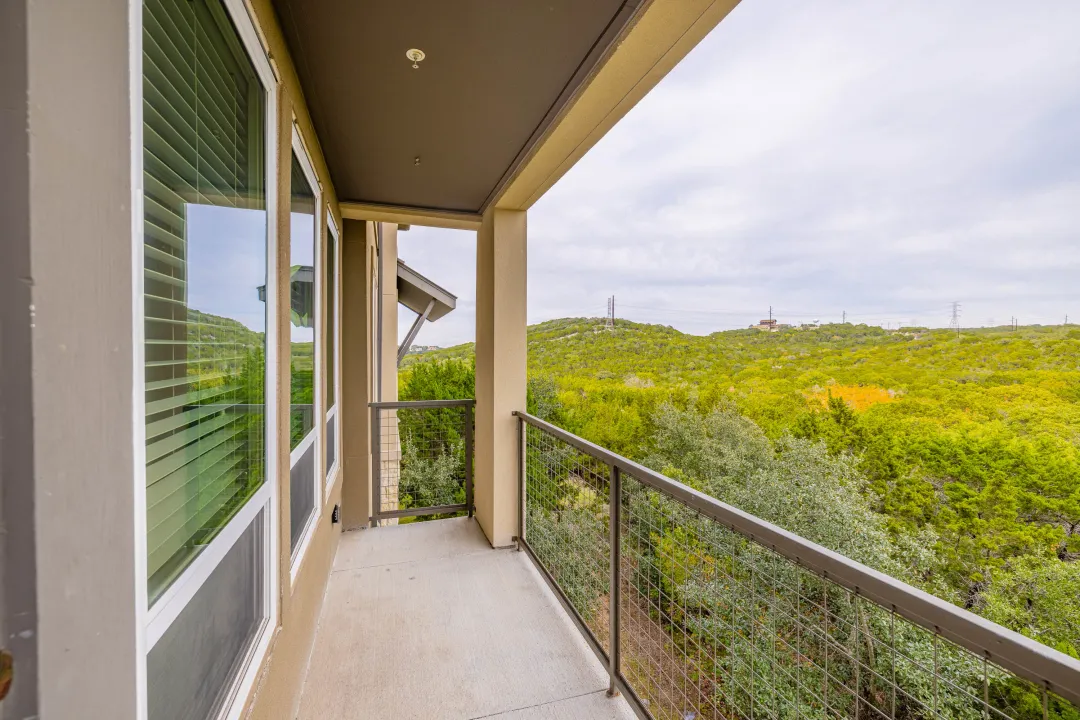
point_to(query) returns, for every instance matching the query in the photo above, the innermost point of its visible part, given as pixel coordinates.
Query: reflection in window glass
(302, 353)
(331, 286)
(331, 336)
(302, 288)
(204, 273)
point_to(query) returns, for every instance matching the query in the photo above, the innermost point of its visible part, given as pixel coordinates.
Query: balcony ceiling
(496, 73)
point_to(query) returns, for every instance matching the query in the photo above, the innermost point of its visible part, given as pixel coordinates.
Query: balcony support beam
(400, 215)
(413, 331)
(388, 341)
(500, 369)
(358, 303)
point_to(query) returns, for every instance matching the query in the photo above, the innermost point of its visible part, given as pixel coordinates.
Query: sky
(227, 262)
(880, 159)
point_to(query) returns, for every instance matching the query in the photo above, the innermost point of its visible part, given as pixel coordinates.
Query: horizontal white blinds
(203, 147)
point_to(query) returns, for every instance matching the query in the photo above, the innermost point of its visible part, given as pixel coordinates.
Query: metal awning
(415, 292)
(423, 297)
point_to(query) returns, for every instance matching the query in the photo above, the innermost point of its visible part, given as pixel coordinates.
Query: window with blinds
(205, 236)
(302, 289)
(304, 319)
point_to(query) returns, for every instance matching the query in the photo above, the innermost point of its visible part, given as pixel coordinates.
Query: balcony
(717, 614)
(172, 461)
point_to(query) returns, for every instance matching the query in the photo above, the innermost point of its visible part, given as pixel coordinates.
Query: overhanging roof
(511, 94)
(495, 72)
(415, 292)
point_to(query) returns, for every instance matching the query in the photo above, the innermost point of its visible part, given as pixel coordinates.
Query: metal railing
(699, 610)
(421, 459)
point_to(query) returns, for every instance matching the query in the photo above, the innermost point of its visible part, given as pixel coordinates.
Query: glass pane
(302, 263)
(331, 451)
(302, 335)
(331, 336)
(301, 495)
(331, 328)
(191, 669)
(205, 231)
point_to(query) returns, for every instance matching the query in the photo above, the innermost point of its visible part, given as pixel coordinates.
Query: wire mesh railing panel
(423, 457)
(714, 625)
(677, 606)
(721, 615)
(566, 524)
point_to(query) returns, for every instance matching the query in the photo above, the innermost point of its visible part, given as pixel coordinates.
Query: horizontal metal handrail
(413, 512)
(399, 404)
(1010, 650)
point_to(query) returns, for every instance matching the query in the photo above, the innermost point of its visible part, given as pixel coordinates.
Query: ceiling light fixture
(416, 56)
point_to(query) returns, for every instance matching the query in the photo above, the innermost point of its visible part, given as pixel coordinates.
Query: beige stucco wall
(276, 693)
(500, 369)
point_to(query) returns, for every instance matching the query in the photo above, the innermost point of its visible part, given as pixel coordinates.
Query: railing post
(470, 415)
(522, 448)
(376, 467)
(615, 579)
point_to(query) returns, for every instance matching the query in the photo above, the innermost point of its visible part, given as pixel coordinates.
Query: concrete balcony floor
(425, 620)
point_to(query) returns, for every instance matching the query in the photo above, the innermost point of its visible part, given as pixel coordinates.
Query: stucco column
(357, 368)
(500, 369)
(388, 256)
(390, 445)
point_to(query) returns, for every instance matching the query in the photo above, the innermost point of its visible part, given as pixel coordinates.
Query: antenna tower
(955, 322)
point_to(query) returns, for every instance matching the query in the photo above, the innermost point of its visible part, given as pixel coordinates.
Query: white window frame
(154, 621)
(333, 471)
(318, 430)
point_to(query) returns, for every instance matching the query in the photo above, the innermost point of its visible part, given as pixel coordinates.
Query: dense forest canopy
(955, 456)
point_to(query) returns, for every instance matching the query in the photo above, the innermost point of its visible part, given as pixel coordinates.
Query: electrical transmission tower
(609, 323)
(955, 322)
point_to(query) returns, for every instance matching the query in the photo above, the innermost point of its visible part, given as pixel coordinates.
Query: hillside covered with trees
(952, 462)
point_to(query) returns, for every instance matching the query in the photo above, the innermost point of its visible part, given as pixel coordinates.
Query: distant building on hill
(414, 349)
(770, 325)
